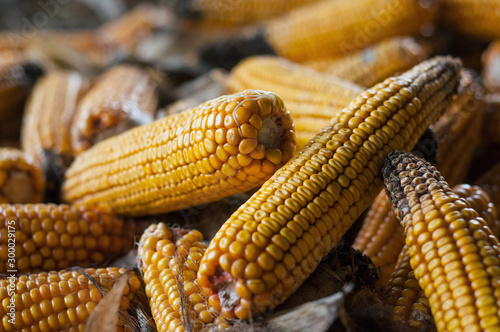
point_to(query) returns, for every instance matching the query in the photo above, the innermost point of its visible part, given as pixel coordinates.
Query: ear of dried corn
(275, 240)
(21, 180)
(374, 63)
(222, 147)
(123, 97)
(62, 300)
(169, 259)
(312, 98)
(48, 116)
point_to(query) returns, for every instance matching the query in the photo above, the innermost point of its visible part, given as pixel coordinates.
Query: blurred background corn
(273, 242)
(21, 180)
(453, 253)
(491, 67)
(169, 259)
(312, 98)
(52, 237)
(222, 147)
(45, 135)
(458, 133)
(375, 63)
(123, 97)
(490, 182)
(472, 17)
(491, 123)
(62, 300)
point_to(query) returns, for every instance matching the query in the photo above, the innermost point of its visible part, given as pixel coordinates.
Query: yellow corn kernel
(185, 159)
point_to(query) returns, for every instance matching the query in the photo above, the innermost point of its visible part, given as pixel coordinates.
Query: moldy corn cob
(53, 237)
(45, 135)
(169, 259)
(457, 133)
(453, 253)
(374, 63)
(273, 242)
(61, 300)
(123, 97)
(222, 147)
(21, 181)
(312, 98)
(325, 29)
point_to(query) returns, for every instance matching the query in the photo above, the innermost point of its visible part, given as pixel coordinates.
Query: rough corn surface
(60, 300)
(123, 97)
(335, 27)
(375, 63)
(312, 98)
(21, 180)
(169, 259)
(273, 242)
(52, 237)
(453, 253)
(222, 147)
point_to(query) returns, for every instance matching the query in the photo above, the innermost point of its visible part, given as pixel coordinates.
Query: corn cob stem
(222, 147)
(453, 253)
(374, 63)
(169, 259)
(62, 300)
(21, 181)
(275, 240)
(312, 98)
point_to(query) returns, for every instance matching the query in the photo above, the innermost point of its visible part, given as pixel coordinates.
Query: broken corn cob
(374, 63)
(123, 97)
(273, 242)
(312, 98)
(61, 300)
(45, 135)
(169, 259)
(457, 132)
(242, 12)
(453, 253)
(403, 291)
(222, 147)
(50, 236)
(475, 18)
(21, 181)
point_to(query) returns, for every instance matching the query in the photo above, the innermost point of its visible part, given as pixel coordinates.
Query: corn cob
(169, 259)
(312, 98)
(239, 13)
(374, 63)
(50, 237)
(490, 182)
(403, 291)
(453, 253)
(123, 97)
(273, 242)
(222, 147)
(491, 67)
(61, 300)
(475, 18)
(21, 181)
(457, 132)
(45, 135)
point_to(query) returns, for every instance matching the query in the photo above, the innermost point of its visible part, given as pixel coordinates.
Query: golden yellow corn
(45, 135)
(52, 237)
(222, 147)
(123, 97)
(273, 242)
(490, 182)
(312, 98)
(475, 18)
(60, 300)
(21, 181)
(237, 13)
(403, 291)
(491, 67)
(457, 132)
(169, 259)
(374, 63)
(453, 253)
